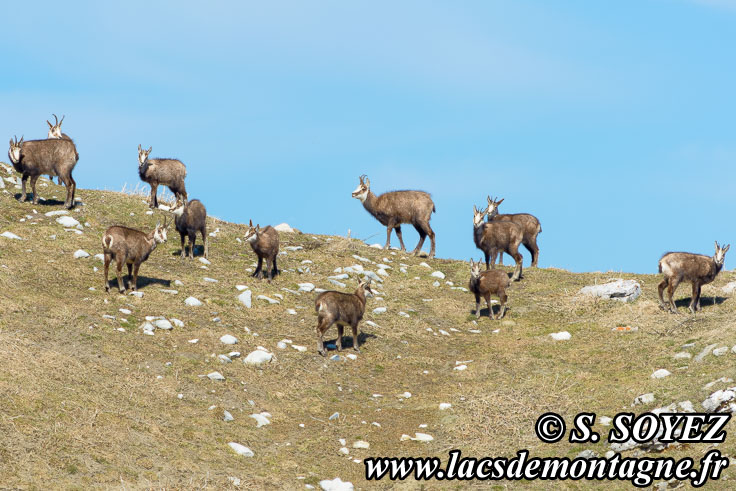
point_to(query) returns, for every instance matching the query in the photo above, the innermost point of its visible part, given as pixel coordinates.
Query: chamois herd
(493, 233)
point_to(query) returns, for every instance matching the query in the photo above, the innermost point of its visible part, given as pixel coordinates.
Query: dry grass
(82, 405)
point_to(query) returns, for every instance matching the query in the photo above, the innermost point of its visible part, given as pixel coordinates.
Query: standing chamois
(695, 268)
(265, 243)
(190, 219)
(487, 283)
(35, 158)
(397, 207)
(343, 309)
(169, 172)
(131, 247)
(55, 133)
(494, 237)
(529, 224)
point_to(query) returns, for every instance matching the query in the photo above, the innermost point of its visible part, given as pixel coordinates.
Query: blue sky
(613, 122)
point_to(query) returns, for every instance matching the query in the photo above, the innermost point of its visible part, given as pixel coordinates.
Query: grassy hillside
(92, 401)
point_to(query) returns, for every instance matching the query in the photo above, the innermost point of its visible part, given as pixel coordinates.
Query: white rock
(379, 310)
(683, 355)
(460, 368)
(163, 324)
(178, 283)
(336, 484)
(224, 359)
(10, 235)
(344, 450)
(306, 287)
(267, 299)
(425, 265)
(361, 444)
(136, 294)
(125, 311)
(79, 254)
(284, 227)
(720, 351)
(211, 280)
(226, 416)
(560, 336)
(438, 274)
(177, 322)
(418, 437)
(228, 339)
(192, 302)
(204, 261)
(338, 284)
(405, 395)
(729, 288)
(261, 419)
(621, 290)
(647, 398)
(445, 405)
(241, 450)
(281, 345)
(246, 298)
(215, 376)
(193, 341)
(257, 357)
(721, 401)
(436, 284)
(56, 213)
(661, 373)
(67, 221)
(301, 349)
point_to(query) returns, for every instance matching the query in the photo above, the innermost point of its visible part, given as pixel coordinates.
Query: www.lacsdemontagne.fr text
(641, 471)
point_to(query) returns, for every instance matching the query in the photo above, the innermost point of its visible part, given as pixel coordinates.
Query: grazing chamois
(169, 172)
(55, 133)
(494, 237)
(131, 247)
(698, 269)
(487, 283)
(343, 309)
(265, 243)
(529, 224)
(34, 158)
(397, 207)
(190, 219)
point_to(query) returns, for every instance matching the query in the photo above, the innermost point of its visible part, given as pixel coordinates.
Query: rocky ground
(210, 378)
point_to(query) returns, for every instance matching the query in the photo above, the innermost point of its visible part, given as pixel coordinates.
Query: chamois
(487, 283)
(55, 133)
(397, 207)
(190, 219)
(131, 247)
(343, 309)
(494, 237)
(265, 243)
(695, 268)
(169, 172)
(34, 158)
(529, 224)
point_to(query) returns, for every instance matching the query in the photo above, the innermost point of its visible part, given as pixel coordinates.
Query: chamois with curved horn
(529, 224)
(169, 172)
(55, 133)
(494, 237)
(397, 207)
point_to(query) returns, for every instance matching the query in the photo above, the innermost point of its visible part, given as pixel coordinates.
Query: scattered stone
(683, 355)
(211, 280)
(226, 416)
(560, 336)
(621, 290)
(729, 288)
(163, 324)
(706, 351)
(170, 292)
(10, 235)
(228, 339)
(720, 351)
(67, 221)
(267, 299)
(291, 311)
(305, 287)
(361, 444)
(217, 376)
(721, 401)
(261, 419)
(246, 298)
(336, 484)
(425, 265)
(661, 373)
(193, 341)
(204, 261)
(257, 357)
(445, 406)
(241, 450)
(438, 274)
(192, 302)
(586, 454)
(418, 437)
(460, 368)
(284, 227)
(379, 310)
(647, 398)
(300, 349)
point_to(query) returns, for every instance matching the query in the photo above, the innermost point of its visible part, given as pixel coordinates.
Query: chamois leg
(322, 326)
(695, 300)
(490, 307)
(660, 289)
(71, 191)
(108, 258)
(183, 248)
(135, 276)
(275, 270)
(119, 267)
(494, 253)
(488, 259)
(422, 236)
(500, 258)
(477, 306)
(697, 306)
(389, 227)
(340, 332)
(673, 283)
(429, 232)
(533, 248)
(269, 269)
(153, 202)
(502, 297)
(23, 188)
(519, 260)
(130, 275)
(356, 342)
(257, 272)
(192, 241)
(206, 248)
(33, 189)
(401, 238)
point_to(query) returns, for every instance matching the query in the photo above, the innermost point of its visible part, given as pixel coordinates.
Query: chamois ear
(490, 201)
(500, 201)
(475, 209)
(139, 147)
(717, 247)
(149, 150)
(726, 248)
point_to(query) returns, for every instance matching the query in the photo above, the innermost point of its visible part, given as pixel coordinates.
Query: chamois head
(720, 256)
(14, 152)
(492, 209)
(477, 217)
(143, 155)
(178, 209)
(252, 233)
(474, 269)
(159, 233)
(365, 284)
(55, 129)
(361, 192)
